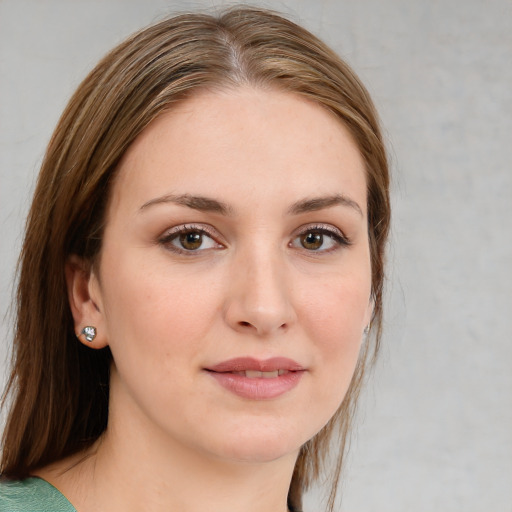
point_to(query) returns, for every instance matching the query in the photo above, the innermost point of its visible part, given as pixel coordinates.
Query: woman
(202, 264)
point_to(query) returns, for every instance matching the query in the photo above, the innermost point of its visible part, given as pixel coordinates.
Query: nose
(259, 297)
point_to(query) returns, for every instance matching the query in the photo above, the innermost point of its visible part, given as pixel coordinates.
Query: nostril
(245, 324)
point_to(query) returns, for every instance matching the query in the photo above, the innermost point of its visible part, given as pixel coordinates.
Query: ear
(85, 301)
(368, 317)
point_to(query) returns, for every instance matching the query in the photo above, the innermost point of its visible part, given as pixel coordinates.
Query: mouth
(254, 374)
(257, 379)
(251, 365)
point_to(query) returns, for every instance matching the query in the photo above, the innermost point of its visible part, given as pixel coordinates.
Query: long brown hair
(59, 388)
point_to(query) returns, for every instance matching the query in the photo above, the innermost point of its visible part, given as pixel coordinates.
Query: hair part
(59, 387)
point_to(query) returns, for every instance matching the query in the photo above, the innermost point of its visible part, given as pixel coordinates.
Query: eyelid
(171, 233)
(204, 228)
(328, 229)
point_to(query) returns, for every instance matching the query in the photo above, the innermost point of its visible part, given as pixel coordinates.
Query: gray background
(435, 424)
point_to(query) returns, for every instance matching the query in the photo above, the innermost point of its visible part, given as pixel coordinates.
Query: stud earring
(367, 329)
(89, 332)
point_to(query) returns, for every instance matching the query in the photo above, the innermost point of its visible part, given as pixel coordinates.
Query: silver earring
(367, 329)
(89, 332)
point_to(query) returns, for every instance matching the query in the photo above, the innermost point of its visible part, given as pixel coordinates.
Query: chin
(260, 453)
(261, 443)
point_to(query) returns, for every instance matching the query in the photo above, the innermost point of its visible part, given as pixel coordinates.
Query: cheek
(155, 315)
(336, 320)
(336, 314)
(158, 323)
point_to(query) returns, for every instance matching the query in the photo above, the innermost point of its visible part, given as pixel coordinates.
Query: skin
(176, 439)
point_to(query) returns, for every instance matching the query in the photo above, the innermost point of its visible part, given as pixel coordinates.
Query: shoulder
(32, 495)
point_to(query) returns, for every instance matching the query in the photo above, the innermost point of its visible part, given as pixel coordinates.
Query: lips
(257, 379)
(242, 364)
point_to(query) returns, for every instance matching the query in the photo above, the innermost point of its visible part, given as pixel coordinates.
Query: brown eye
(320, 239)
(191, 240)
(313, 240)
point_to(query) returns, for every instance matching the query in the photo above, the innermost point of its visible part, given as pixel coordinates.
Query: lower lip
(258, 388)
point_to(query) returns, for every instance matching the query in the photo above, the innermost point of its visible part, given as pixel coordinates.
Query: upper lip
(240, 364)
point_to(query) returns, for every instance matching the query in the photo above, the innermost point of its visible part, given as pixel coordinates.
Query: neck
(136, 479)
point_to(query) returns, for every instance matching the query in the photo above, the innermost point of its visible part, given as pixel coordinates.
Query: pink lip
(227, 375)
(240, 364)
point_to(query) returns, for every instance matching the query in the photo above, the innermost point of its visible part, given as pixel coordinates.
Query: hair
(59, 388)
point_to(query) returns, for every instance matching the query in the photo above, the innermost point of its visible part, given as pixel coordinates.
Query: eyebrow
(204, 204)
(207, 204)
(320, 203)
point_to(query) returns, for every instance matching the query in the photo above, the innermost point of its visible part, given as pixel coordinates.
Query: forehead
(243, 142)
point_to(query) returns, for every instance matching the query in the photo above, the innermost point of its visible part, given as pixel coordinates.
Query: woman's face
(234, 279)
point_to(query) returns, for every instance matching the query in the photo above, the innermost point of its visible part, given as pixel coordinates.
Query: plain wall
(435, 429)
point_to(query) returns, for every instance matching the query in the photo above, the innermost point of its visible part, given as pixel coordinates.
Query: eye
(189, 239)
(320, 239)
(314, 241)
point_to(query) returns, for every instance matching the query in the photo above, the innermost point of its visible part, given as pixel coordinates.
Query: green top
(32, 495)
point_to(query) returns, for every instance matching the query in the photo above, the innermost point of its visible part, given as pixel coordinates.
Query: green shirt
(32, 495)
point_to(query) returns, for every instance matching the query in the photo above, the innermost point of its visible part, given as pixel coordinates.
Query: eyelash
(336, 235)
(175, 232)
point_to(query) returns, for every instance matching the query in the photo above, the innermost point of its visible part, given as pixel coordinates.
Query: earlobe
(84, 298)
(89, 331)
